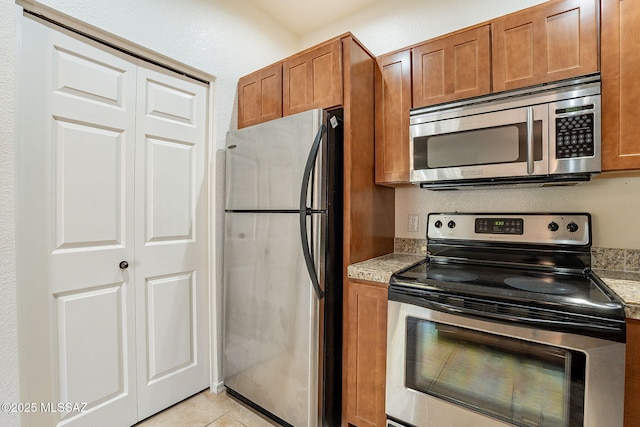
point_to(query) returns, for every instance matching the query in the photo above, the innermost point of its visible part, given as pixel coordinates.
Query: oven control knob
(451, 224)
(438, 224)
(572, 227)
(553, 226)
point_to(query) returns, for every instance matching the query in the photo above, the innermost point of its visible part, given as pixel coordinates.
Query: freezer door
(265, 164)
(271, 340)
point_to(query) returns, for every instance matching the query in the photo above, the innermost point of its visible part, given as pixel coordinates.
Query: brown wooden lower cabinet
(632, 375)
(365, 349)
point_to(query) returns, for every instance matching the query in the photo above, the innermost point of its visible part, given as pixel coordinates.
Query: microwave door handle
(530, 159)
(530, 141)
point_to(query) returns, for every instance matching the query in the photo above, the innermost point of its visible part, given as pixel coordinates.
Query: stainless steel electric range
(505, 324)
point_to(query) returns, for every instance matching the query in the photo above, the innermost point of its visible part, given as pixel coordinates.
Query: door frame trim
(74, 25)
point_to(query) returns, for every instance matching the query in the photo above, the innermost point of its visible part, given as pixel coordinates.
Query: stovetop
(564, 291)
(528, 269)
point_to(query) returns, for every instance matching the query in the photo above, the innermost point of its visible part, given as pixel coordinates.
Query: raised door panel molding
(471, 63)
(620, 85)
(92, 346)
(519, 53)
(90, 175)
(313, 79)
(452, 67)
(170, 309)
(552, 41)
(393, 102)
(260, 96)
(430, 74)
(366, 354)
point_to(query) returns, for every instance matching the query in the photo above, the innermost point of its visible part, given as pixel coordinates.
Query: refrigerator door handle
(305, 211)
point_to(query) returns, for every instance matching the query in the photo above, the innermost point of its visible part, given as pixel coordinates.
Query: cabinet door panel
(393, 102)
(260, 96)
(620, 85)
(519, 52)
(632, 375)
(313, 79)
(366, 355)
(452, 67)
(431, 74)
(552, 41)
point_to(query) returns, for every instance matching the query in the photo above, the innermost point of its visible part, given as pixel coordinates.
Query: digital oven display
(499, 225)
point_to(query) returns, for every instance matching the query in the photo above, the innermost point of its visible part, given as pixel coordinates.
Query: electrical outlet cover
(412, 225)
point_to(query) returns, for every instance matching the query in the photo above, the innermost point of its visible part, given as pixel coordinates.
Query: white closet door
(112, 167)
(76, 224)
(171, 240)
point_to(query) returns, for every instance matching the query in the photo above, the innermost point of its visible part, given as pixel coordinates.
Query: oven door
(498, 144)
(446, 370)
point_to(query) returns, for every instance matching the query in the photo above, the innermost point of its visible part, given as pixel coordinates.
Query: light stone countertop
(380, 269)
(625, 285)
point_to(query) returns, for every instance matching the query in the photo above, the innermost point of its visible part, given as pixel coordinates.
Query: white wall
(392, 25)
(614, 204)
(8, 335)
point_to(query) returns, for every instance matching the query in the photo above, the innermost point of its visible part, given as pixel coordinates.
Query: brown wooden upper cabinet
(452, 67)
(551, 41)
(260, 96)
(620, 54)
(393, 101)
(313, 79)
(309, 79)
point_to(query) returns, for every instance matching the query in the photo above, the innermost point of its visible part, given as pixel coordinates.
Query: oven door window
(521, 382)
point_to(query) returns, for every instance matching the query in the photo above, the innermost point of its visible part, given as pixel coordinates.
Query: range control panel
(534, 228)
(499, 225)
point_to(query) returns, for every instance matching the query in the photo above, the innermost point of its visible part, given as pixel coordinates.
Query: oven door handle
(455, 310)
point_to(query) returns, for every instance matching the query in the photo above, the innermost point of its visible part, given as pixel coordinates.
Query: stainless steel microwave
(544, 135)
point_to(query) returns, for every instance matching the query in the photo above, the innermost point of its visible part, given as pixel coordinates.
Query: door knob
(124, 265)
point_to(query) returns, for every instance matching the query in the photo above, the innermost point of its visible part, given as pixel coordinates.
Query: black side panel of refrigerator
(332, 381)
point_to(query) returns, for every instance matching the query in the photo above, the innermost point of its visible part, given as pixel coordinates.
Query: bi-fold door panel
(171, 271)
(76, 201)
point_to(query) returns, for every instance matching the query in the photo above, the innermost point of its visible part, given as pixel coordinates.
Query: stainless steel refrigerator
(283, 268)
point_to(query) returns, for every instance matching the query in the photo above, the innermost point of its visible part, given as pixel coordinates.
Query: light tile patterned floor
(210, 410)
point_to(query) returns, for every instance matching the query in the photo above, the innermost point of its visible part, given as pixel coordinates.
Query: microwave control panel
(574, 132)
